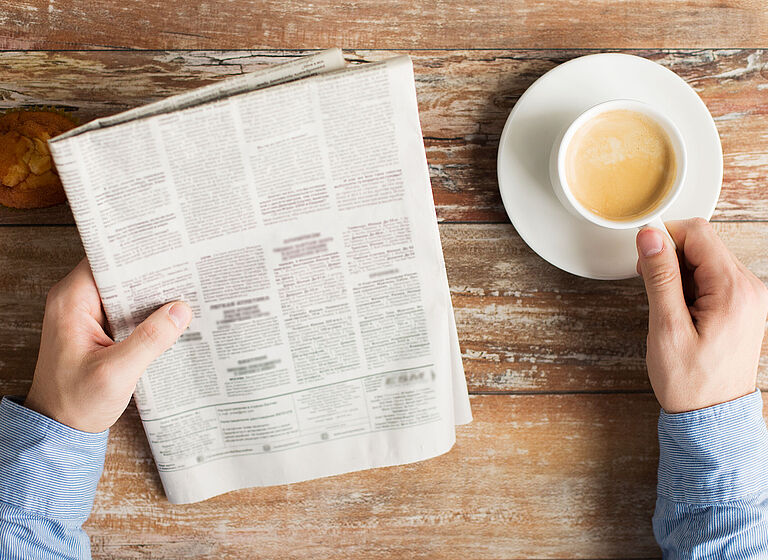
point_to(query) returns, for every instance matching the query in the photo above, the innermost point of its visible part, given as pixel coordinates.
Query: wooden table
(561, 459)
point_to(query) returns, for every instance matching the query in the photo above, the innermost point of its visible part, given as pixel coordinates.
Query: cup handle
(658, 223)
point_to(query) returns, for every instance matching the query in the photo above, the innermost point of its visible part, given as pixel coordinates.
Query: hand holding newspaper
(292, 209)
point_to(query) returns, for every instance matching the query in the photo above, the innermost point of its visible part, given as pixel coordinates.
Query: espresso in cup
(620, 165)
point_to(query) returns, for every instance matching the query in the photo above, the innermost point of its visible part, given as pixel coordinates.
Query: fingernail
(650, 242)
(180, 314)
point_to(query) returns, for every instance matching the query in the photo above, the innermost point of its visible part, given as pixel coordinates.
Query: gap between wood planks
(347, 50)
(465, 97)
(443, 222)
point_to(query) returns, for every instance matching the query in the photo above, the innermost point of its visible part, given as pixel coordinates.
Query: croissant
(28, 178)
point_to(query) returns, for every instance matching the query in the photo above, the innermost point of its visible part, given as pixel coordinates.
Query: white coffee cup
(560, 183)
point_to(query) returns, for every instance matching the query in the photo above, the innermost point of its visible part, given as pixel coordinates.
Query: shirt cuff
(47, 468)
(716, 454)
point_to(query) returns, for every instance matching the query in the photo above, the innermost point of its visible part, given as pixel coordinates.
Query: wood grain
(523, 324)
(532, 477)
(539, 475)
(174, 24)
(464, 100)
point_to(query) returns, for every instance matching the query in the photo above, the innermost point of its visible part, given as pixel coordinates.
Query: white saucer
(550, 104)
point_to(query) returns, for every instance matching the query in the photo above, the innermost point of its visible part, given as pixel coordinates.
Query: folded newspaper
(292, 209)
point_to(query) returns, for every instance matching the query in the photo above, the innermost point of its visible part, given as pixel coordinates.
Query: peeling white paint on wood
(464, 99)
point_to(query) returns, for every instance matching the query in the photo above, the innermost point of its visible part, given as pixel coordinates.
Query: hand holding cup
(706, 321)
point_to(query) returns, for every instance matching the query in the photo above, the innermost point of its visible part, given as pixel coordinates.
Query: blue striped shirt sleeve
(712, 496)
(48, 478)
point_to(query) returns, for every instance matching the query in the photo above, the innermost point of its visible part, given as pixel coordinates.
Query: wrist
(43, 407)
(76, 418)
(35, 405)
(680, 402)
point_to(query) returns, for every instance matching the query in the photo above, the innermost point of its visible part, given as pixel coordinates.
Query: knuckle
(747, 294)
(700, 224)
(662, 277)
(733, 304)
(54, 294)
(759, 294)
(741, 290)
(56, 301)
(762, 292)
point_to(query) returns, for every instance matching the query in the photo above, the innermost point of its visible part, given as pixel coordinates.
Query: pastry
(28, 178)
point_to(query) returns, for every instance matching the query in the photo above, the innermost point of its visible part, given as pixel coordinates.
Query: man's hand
(705, 328)
(83, 378)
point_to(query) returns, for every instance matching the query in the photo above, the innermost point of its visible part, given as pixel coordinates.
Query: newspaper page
(323, 61)
(298, 222)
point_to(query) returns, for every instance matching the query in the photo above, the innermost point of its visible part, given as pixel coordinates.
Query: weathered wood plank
(523, 324)
(464, 98)
(53, 215)
(544, 476)
(32, 259)
(40, 24)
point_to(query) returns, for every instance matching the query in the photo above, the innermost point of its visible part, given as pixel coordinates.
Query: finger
(81, 284)
(713, 265)
(151, 338)
(80, 276)
(689, 286)
(661, 275)
(696, 239)
(77, 291)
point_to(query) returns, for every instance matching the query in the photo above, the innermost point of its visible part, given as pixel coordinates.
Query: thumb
(660, 269)
(156, 334)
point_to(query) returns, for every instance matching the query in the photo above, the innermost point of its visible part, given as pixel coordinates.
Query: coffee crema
(620, 165)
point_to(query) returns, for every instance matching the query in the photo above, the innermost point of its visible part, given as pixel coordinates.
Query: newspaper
(298, 222)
